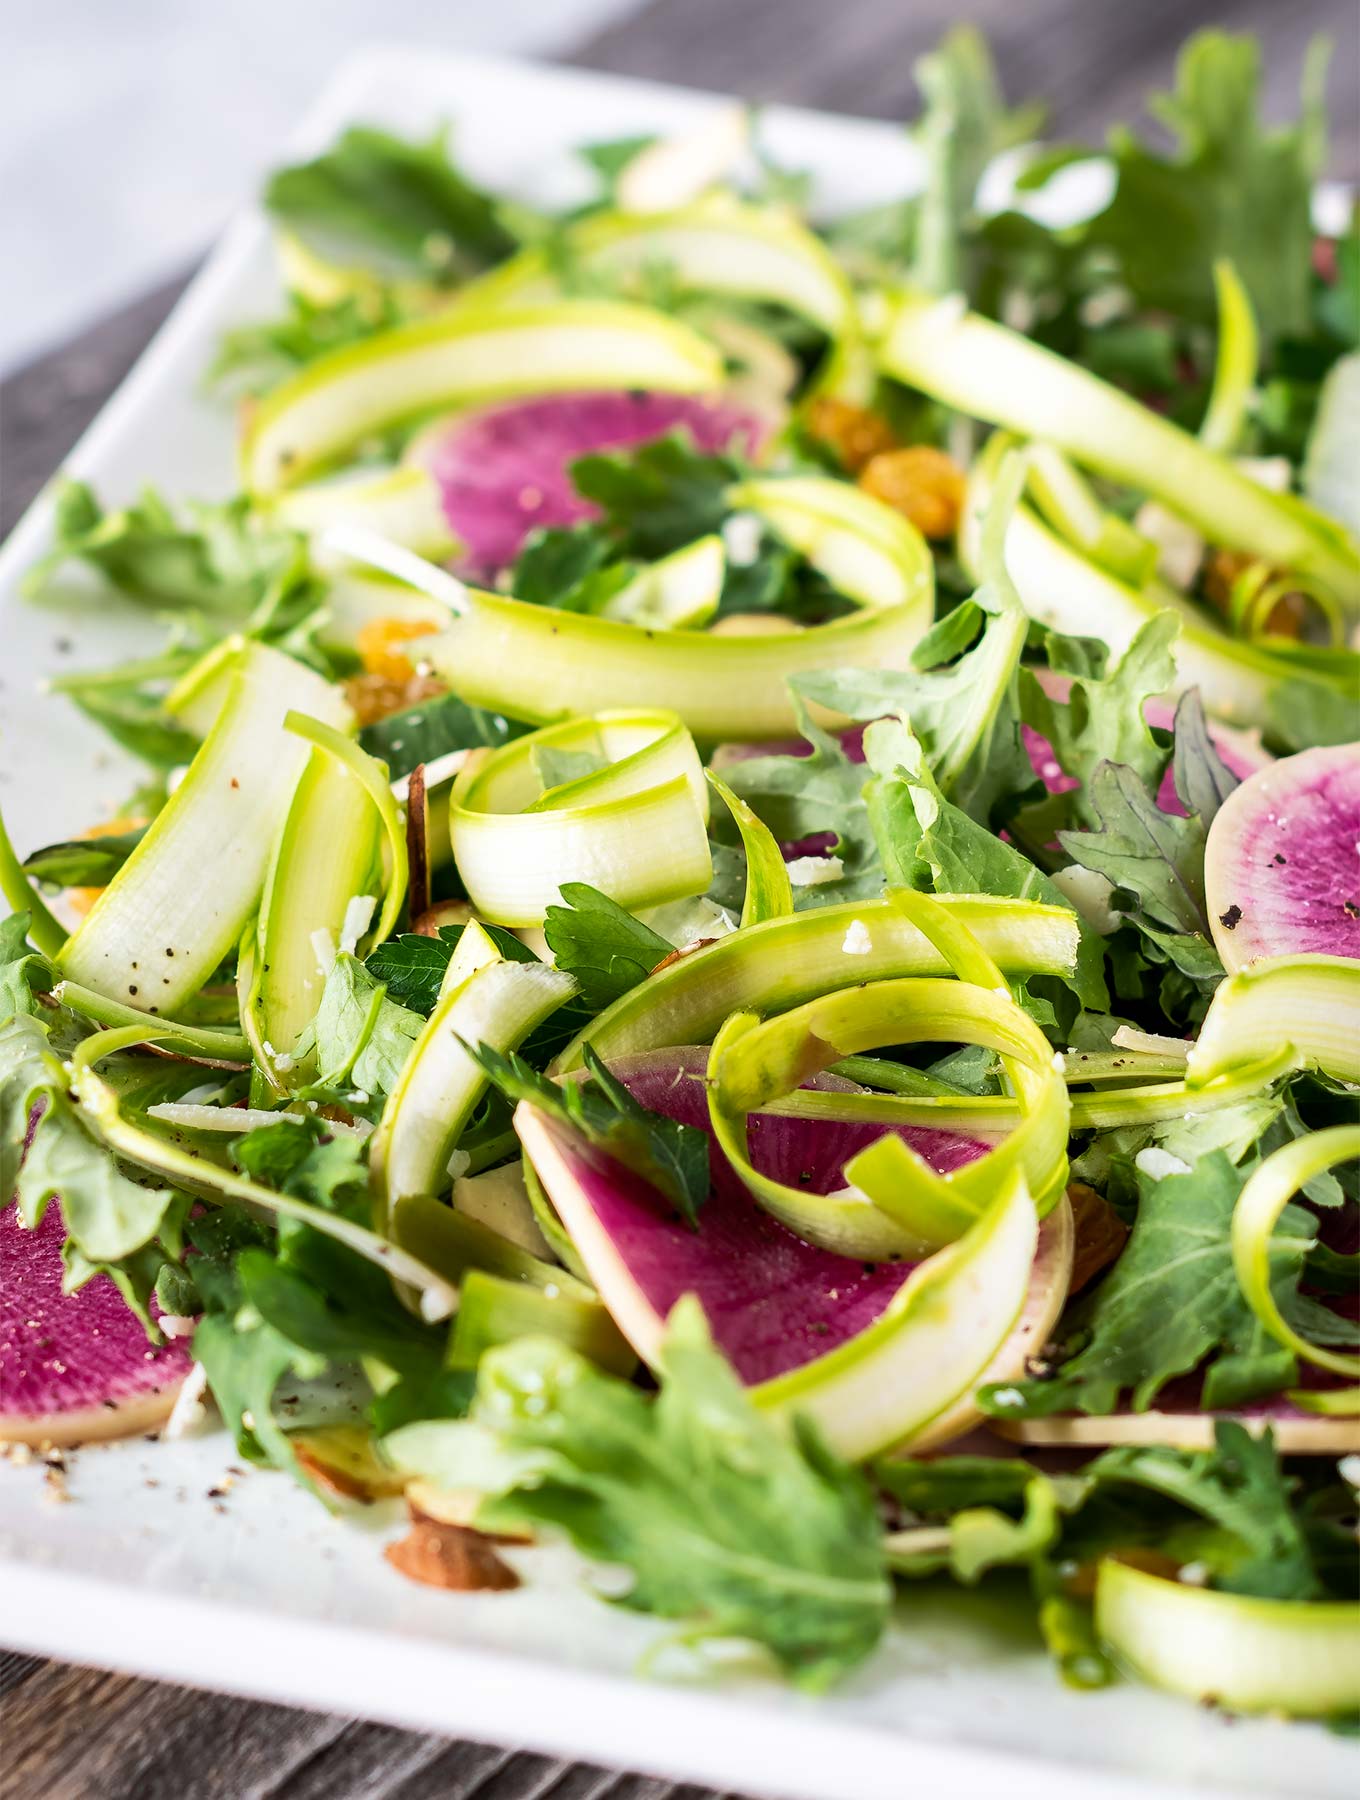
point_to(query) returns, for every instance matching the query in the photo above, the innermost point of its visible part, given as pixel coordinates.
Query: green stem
(44, 928)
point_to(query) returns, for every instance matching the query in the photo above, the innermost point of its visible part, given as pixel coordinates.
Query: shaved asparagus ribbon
(464, 356)
(1267, 1192)
(372, 777)
(542, 665)
(327, 854)
(895, 1204)
(871, 553)
(1332, 1403)
(990, 372)
(495, 1310)
(45, 930)
(785, 962)
(1291, 1656)
(483, 1000)
(769, 893)
(711, 245)
(919, 1362)
(1309, 1002)
(1235, 365)
(179, 903)
(403, 504)
(908, 1377)
(635, 828)
(680, 592)
(1054, 561)
(1144, 1104)
(210, 1041)
(716, 245)
(99, 1104)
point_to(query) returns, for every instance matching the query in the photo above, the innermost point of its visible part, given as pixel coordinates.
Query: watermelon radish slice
(781, 1310)
(1282, 863)
(504, 470)
(73, 1367)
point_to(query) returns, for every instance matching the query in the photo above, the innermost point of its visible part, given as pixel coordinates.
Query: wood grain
(70, 1734)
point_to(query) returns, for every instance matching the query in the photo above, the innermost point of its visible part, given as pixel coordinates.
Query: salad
(741, 939)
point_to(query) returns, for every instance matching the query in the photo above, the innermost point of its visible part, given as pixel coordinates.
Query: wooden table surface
(69, 1733)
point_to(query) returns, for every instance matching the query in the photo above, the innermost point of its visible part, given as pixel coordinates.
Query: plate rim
(452, 1688)
(666, 1729)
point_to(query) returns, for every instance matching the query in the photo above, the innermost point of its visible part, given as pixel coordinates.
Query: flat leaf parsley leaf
(601, 944)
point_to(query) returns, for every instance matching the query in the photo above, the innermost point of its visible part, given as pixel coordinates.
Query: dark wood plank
(1093, 64)
(16, 1667)
(71, 1733)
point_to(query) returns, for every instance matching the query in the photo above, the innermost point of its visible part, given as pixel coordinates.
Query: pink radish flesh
(505, 470)
(773, 1302)
(1282, 864)
(73, 1366)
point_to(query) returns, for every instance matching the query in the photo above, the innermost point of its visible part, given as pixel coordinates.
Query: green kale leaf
(84, 862)
(1101, 720)
(1231, 1510)
(927, 843)
(964, 125)
(965, 713)
(220, 560)
(659, 498)
(1241, 1489)
(1153, 856)
(253, 358)
(361, 1038)
(812, 796)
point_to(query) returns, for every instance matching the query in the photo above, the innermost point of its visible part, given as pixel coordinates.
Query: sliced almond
(455, 1557)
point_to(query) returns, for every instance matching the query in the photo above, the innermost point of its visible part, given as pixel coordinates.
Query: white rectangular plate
(261, 1591)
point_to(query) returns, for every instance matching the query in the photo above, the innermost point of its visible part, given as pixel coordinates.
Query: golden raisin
(854, 433)
(374, 697)
(1221, 570)
(377, 645)
(921, 483)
